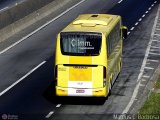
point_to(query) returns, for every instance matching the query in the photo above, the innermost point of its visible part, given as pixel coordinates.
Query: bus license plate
(80, 91)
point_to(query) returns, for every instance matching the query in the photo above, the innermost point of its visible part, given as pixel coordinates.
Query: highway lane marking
(41, 27)
(136, 23)
(143, 15)
(59, 105)
(22, 78)
(19, 2)
(142, 85)
(128, 33)
(155, 40)
(146, 12)
(146, 76)
(154, 53)
(153, 60)
(132, 28)
(140, 19)
(155, 47)
(120, 1)
(143, 80)
(148, 63)
(154, 50)
(50, 114)
(157, 34)
(3, 9)
(155, 2)
(150, 68)
(132, 99)
(135, 99)
(135, 92)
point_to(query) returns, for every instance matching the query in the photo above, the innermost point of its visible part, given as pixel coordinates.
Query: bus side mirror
(124, 32)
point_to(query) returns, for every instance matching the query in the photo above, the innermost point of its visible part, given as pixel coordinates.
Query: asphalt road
(33, 98)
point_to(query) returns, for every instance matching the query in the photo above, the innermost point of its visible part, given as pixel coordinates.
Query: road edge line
(41, 27)
(22, 78)
(135, 92)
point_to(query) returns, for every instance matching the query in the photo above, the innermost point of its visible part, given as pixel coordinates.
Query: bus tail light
(104, 76)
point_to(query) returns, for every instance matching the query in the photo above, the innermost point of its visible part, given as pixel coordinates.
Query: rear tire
(109, 89)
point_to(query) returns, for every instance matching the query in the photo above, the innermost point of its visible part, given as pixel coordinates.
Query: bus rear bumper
(98, 92)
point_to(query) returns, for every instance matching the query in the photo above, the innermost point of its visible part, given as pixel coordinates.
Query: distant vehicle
(89, 55)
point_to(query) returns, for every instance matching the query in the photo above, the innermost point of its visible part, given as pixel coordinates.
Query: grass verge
(152, 104)
(158, 83)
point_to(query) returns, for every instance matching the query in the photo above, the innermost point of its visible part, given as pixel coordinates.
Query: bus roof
(93, 23)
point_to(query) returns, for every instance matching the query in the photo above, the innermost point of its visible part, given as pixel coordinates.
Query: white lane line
(155, 40)
(4, 9)
(146, 12)
(155, 47)
(154, 50)
(149, 8)
(155, 2)
(135, 92)
(128, 33)
(132, 28)
(35, 31)
(149, 68)
(148, 63)
(59, 105)
(143, 15)
(143, 80)
(152, 5)
(18, 81)
(50, 114)
(135, 99)
(152, 60)
(120, 1)
(146, 76)
(142, 85)
(132, 99)
(140, 19)
(151, 53)
(136, 23)
(157, 34)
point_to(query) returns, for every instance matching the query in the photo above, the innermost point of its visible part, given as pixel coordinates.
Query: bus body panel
(80, 76)
(84, 75)
(79, 80)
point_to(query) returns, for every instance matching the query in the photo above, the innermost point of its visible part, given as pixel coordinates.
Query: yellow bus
(89, 55)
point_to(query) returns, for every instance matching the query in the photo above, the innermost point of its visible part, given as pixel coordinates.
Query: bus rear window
(80, 44)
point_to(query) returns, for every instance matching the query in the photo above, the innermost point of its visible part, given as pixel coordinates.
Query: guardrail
(24, 15)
